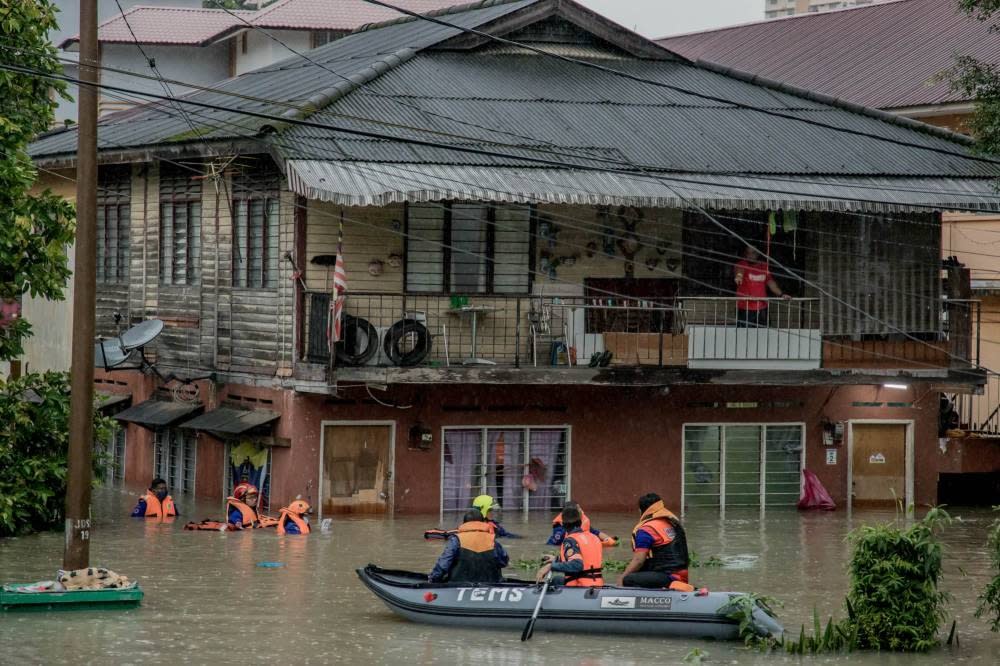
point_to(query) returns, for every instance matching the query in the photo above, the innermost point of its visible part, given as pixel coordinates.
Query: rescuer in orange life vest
(559, 530)
(242, 508)
(293, 519)
(581, 557)
(472, 554)
(659, 545)
(156, 503)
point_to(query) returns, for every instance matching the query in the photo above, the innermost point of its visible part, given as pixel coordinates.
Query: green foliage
(695, 656)
(742, 608)
(989, 600)
(35, 229)
(34, 438)
(894, 602)
(981, 81)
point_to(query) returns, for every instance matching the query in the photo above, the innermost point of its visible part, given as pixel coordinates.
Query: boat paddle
(529, 628)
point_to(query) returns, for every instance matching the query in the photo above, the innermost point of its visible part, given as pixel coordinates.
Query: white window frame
(526, 496)
(194, 461)
(722, 456)
(115, 469)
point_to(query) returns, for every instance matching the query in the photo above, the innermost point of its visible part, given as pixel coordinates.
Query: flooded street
(207, 601)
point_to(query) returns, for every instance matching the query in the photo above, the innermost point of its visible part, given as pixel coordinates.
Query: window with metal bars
(114, 194)
(112, 449)
(255, 229)
(468, 248)
(742, 465)
(524, 469)
(174, 459)
(239, 471)
(180, 225)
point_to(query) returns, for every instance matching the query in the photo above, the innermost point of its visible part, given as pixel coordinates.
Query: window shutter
(424, 248)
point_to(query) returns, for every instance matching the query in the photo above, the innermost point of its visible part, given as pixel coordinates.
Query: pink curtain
(547, 461)
(505, 465)
(461, 475)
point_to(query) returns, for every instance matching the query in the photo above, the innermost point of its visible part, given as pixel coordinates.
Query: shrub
(894, 602)
(989, 600)
(34, 441)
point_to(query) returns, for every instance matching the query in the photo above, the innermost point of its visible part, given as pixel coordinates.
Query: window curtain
(460, 477)
(505, 468)
(547, 464)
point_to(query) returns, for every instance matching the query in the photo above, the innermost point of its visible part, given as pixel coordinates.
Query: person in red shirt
(753, 279)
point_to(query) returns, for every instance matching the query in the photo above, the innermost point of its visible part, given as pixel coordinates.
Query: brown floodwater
(207, 601)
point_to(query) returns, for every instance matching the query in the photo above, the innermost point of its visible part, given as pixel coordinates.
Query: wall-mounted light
(901, 387)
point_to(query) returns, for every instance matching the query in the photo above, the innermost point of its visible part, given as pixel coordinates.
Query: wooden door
(878, 463)
(357, 469)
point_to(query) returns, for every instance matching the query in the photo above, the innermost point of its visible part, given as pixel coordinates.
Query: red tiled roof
(885, 55)
(338, 14)
(165, 25)
(193, 26)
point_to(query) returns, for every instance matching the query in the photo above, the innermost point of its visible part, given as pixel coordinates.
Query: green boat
(13, 598)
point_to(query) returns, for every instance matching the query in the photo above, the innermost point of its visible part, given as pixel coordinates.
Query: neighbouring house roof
(409, 80)
(156, 414)
(231, 420)
(192, 26)
(886, 55)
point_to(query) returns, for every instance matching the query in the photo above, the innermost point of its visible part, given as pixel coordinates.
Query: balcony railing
(979, 414)
(383, 329)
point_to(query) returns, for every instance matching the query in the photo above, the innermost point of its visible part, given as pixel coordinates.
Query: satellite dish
(113, 353)
(108, 354)
(141, 334)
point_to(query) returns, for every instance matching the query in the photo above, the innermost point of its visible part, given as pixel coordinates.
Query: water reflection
(207, 601)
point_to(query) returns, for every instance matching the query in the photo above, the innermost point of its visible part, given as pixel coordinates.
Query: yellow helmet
(484, 503)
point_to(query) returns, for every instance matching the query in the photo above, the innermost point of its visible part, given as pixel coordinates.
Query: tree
(35, 229)
(34, 441)
(981, 80)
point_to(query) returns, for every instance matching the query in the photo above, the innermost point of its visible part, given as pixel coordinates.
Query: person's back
(581, 557)
(659, 544)
(293, 519)
(472, 554)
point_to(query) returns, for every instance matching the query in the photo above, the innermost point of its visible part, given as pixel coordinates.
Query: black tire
(359, 341)
(397, 333)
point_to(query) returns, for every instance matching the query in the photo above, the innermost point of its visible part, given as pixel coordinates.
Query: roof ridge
(327, 96)
(885, 116)
(455, 9)
(259, 13)
(793, 17)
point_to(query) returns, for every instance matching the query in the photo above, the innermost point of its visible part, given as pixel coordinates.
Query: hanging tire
(401, 331)
(359, 341)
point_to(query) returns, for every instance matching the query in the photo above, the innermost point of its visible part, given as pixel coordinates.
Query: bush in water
(989, 600)
(34, 439)
(894, 602)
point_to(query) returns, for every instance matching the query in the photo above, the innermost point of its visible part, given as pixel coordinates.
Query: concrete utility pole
(81, 420)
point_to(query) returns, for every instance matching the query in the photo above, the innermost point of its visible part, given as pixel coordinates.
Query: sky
(658, 18)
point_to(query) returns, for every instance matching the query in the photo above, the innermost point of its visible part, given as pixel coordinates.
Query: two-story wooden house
(541, 238)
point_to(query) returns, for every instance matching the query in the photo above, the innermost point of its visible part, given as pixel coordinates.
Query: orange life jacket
(287, 514)
(476, 561)
(157, 509)
(672, 555)
(591, 554)
(250, 517)
(584, 521)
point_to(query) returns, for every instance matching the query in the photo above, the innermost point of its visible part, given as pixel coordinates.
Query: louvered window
(255, 229)
(113, 220)
(180, 225)
(468, 249)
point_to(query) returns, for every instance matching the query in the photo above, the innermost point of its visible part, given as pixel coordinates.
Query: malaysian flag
(339, 289)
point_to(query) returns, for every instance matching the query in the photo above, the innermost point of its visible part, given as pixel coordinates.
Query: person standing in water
(156, 503)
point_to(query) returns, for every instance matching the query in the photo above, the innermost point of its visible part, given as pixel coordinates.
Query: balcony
(385, 330)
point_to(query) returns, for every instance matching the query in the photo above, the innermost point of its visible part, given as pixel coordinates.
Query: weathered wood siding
(208, 325)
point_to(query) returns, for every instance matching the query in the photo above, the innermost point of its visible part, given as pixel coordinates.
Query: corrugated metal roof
(231, 421)
(535, 102)
(156, 414)
(376, 184)
(111, 401)
(884, 55)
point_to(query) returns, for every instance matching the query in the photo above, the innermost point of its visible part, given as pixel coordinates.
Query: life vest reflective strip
(285, 515)
(584, 521)
(672, 555)
(591, 554)
(157, 509)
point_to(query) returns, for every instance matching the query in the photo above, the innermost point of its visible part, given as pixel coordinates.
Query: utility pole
(81, 419)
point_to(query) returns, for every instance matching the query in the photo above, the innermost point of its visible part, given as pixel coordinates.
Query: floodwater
(207, 601)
